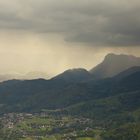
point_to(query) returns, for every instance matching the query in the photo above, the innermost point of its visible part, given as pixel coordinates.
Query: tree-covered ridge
(129, 131)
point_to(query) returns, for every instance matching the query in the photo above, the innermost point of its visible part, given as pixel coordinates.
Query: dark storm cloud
(95, 22)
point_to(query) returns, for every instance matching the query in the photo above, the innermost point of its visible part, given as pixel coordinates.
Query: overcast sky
(54, 35)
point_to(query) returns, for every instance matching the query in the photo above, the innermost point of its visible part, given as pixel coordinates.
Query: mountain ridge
(74, 75)
(114, 64)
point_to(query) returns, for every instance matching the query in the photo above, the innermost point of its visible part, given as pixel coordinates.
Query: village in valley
(41, 126)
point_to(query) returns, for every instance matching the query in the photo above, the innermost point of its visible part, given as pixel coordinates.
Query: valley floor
(40, 126)
(43, 126)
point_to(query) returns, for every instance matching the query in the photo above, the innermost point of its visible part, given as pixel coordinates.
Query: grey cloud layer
(96, 22)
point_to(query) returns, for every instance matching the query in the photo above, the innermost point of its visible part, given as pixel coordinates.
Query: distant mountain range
(114, 64)
(30, 75)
